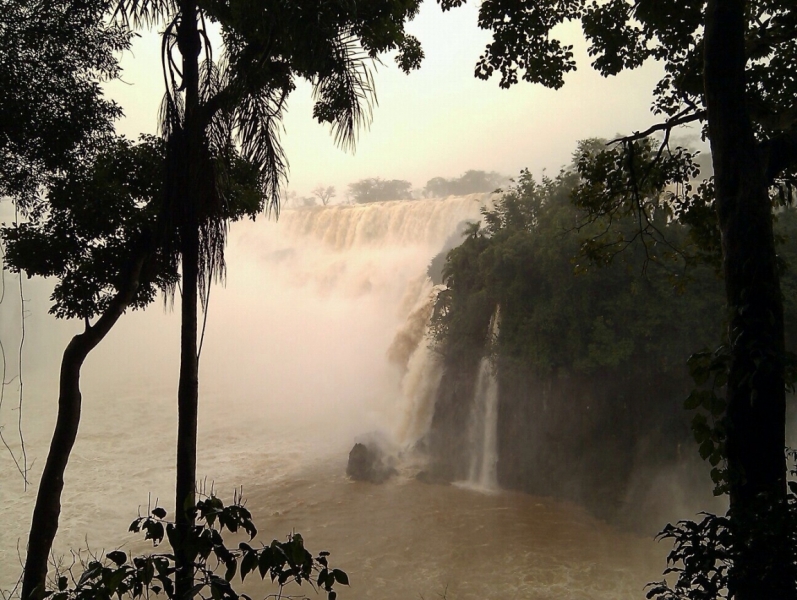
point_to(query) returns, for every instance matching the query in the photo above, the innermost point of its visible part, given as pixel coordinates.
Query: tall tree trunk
(48, 498)
(756, 414)
(188, 390)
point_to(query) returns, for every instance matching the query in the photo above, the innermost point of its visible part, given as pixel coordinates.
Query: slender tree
(95, 230)
(54, 120)
(727, 65)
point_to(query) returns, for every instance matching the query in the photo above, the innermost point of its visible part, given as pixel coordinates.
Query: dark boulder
(369, 463)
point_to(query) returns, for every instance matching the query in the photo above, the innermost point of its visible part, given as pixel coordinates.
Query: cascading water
(483, 426)
(412, 348)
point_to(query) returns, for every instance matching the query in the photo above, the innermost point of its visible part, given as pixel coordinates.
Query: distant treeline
(376, 189)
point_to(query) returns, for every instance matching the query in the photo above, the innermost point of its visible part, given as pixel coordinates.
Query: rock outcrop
(369, 463)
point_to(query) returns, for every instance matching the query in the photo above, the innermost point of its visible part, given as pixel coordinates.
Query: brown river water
(293, 371)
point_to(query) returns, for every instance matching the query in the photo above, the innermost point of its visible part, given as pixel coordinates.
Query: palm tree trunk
(188, 390)
(48, 498)
(756, 414)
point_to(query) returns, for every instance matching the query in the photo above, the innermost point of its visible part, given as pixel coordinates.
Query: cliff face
(600, 440)
(448, 438)
(590, 361)
(590, 439)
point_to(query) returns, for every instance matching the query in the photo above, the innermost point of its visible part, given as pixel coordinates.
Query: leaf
(62, 583)
(149, 572)
(706, 448)
(322, 578)
(115, 579)
(118, 557)
(265, 561)
(159, 512)
(340, 577)
(154, 531)
(692, 401)
(232, 567)
(215, 591)
(249, 563)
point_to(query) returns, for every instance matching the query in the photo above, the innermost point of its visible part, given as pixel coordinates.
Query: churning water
(319, 338)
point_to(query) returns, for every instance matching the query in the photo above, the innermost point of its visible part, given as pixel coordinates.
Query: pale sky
(438, 121)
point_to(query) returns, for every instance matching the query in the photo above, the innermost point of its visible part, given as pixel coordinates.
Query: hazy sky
(438, 121)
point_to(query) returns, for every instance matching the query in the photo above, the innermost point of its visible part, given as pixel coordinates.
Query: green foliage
(641, 175)
(704, 553)
(701, 557)
(557, 313)
(623, 35)
(89, 226)
(648, 186)
(53, 56)
(709, 371)
(376, 189)
(215, 565)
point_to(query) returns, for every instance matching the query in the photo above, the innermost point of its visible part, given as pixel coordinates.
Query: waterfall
(423, 369)
(337, 304)
(483, 426)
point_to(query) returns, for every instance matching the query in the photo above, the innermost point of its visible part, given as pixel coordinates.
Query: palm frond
(172, 109)
(257, 121)
(345, 95)
(144, 13)
(212, 267)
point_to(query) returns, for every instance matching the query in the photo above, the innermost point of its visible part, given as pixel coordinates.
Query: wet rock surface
(369, 463)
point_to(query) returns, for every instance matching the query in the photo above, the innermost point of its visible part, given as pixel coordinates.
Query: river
(294, 369)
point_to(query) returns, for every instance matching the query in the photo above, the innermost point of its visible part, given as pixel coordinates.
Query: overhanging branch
(668, 125)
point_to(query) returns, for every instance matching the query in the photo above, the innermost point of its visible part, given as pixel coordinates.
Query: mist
(319, 338)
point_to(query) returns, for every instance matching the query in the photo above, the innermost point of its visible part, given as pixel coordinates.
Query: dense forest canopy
(727, 65)
(567, 307)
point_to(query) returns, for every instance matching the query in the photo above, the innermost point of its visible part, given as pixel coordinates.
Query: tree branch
(779, 153)
(669, 124)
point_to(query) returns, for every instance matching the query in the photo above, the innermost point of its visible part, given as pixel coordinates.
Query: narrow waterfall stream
(483, 426)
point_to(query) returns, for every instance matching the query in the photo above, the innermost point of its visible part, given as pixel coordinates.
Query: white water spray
(424, 369)
(483, 428)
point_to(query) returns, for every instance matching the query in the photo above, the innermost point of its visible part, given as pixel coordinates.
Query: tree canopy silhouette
(727, 66)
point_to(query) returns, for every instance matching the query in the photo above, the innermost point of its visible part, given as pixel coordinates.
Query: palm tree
(215, 109)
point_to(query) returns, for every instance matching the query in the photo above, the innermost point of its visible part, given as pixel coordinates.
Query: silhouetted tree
(324, 194)
(376, 189)
(95, 230)
(471, 182)
(214, 106)
(53, 56)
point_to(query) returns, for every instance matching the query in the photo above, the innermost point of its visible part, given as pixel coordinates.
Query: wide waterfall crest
(426, 222)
